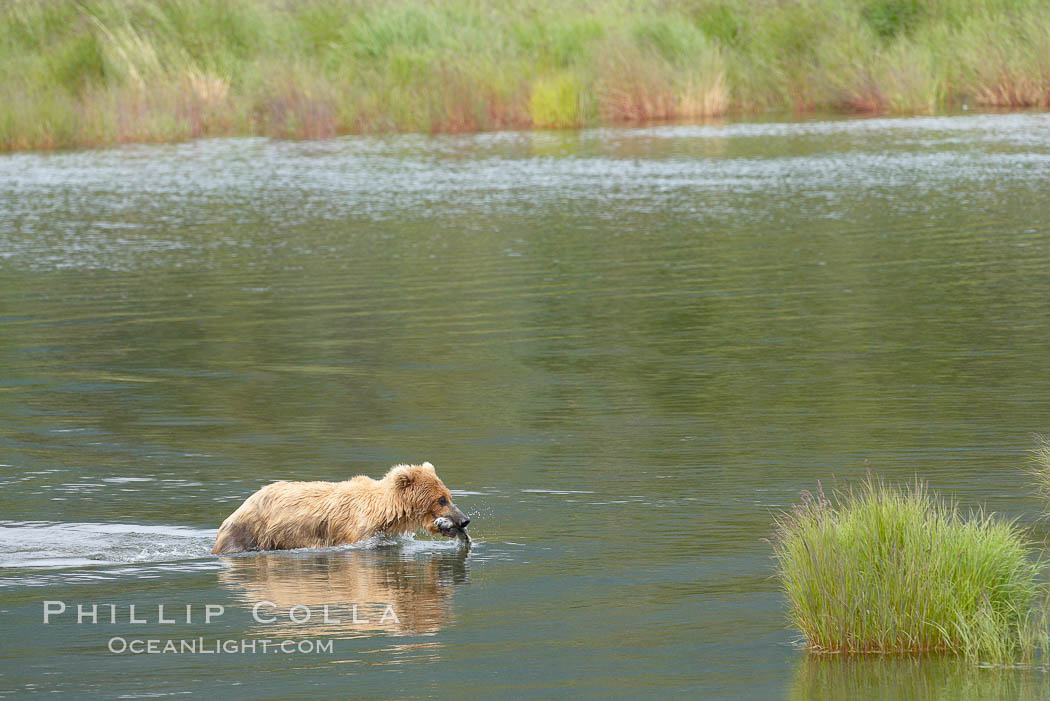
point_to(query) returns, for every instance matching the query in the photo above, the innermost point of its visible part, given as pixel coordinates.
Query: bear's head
(426, 498)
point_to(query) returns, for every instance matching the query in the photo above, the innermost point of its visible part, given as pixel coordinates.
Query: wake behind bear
(286, 515)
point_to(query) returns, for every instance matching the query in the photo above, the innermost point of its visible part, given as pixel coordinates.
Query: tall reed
(892, 569)
(81, 72)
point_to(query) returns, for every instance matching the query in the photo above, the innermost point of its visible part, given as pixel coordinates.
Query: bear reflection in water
(365, 591)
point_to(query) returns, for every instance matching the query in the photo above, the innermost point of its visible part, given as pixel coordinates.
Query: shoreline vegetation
(96, 72)
(888, 569)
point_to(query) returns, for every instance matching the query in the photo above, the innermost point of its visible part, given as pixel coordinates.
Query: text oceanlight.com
(200, 646)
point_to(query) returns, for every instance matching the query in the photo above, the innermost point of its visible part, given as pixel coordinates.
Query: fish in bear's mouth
(451, 530)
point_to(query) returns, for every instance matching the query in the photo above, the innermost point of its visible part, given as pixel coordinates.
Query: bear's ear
(404, 480)
(427, 466)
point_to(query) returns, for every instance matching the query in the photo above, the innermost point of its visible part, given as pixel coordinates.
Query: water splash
(52, 545)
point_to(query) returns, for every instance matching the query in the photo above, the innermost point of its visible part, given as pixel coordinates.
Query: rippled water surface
(623, 349)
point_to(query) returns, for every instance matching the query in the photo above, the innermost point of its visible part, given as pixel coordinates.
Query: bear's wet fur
(286, 515)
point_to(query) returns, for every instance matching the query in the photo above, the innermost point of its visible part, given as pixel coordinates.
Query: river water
(624, 350)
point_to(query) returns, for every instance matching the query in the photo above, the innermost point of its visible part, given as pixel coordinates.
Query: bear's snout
(459, 518)
(452, 523)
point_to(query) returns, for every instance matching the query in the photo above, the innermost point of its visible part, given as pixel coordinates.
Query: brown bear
(286, 515)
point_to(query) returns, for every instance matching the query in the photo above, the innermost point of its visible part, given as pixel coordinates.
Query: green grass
(887, 569)
(80, 72)
(1041, 470)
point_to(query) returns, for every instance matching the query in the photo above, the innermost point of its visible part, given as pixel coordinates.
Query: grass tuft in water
(1041, 472)
(888, 569)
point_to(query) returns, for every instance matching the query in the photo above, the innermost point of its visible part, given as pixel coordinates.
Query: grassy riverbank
(895, 570)
(104, 71)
